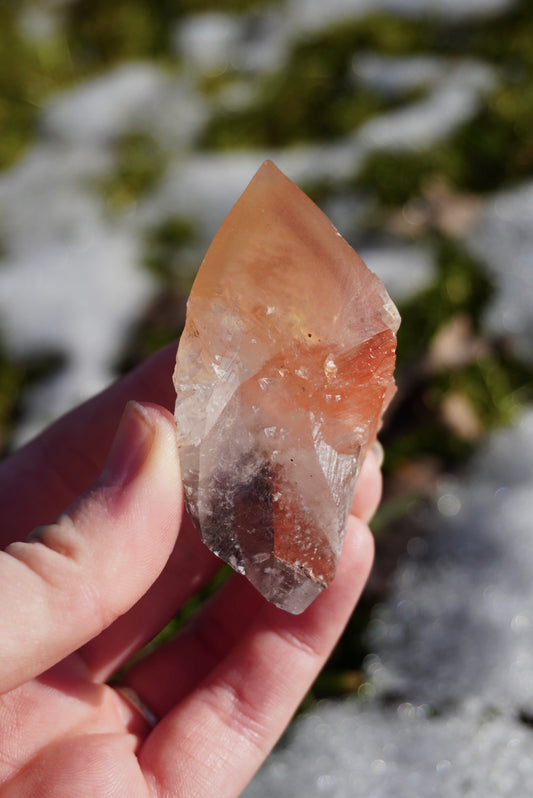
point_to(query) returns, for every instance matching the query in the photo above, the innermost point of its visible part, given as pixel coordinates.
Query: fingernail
(130, 447)
(379, 452)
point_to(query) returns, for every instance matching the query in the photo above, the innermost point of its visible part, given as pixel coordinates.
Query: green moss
(162, 323)
(495, 147)
(211, 84)
(491, 150)
(394, 177)
(496, 385)
(428, 438)
(503, 39)
(164, 243)
(460, 287)
(16, 376)
(235, 6)
(101, 33)
(416, 429)
(139, 165)
(315, 96)
(379, 32)
(164, 319)
(29, 72)
(313, 111)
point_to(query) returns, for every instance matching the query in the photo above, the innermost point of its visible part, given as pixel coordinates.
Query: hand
(86, 591)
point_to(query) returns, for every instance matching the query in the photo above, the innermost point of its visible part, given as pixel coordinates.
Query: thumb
(71, 579)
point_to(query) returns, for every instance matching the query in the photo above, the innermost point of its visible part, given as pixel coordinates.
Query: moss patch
(164, 244)
(101, 33)
(139, 166)
(396, 177)
(315, 96)
(460, 287)
(16, 376)
(494, 148)
(29, 72)
(494, 384)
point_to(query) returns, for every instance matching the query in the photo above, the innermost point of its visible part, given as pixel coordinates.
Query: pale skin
(116, 558)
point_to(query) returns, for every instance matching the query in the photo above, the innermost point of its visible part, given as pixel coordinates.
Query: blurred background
(128, 130)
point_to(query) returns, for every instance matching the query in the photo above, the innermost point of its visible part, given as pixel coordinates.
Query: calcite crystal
(283, 372)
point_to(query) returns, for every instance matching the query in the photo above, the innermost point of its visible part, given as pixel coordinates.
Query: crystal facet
(283, 372)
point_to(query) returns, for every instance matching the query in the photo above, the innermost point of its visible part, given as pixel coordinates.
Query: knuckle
(56, 554)
(240, 714)
(59, 537)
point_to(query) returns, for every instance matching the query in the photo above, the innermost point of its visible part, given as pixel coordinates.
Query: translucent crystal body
(283, 372)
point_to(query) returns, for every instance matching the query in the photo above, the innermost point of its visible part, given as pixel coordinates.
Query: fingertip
(165, 424)
(157, 413)
(378, 452)
(359, 547)
(369, 486)
(130, 448)
(143, 458)
(160, 473)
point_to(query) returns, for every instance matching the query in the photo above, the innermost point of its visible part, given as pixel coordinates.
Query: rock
(283, 372)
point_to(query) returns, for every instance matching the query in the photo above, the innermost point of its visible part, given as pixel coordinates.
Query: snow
(70, 283)
(405, 270)
(350, 749)
(313, 14)
(131, 96)
(452, 101)
(395, 76)
(504, 240)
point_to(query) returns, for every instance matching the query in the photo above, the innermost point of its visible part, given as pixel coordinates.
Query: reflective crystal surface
(283, 372)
